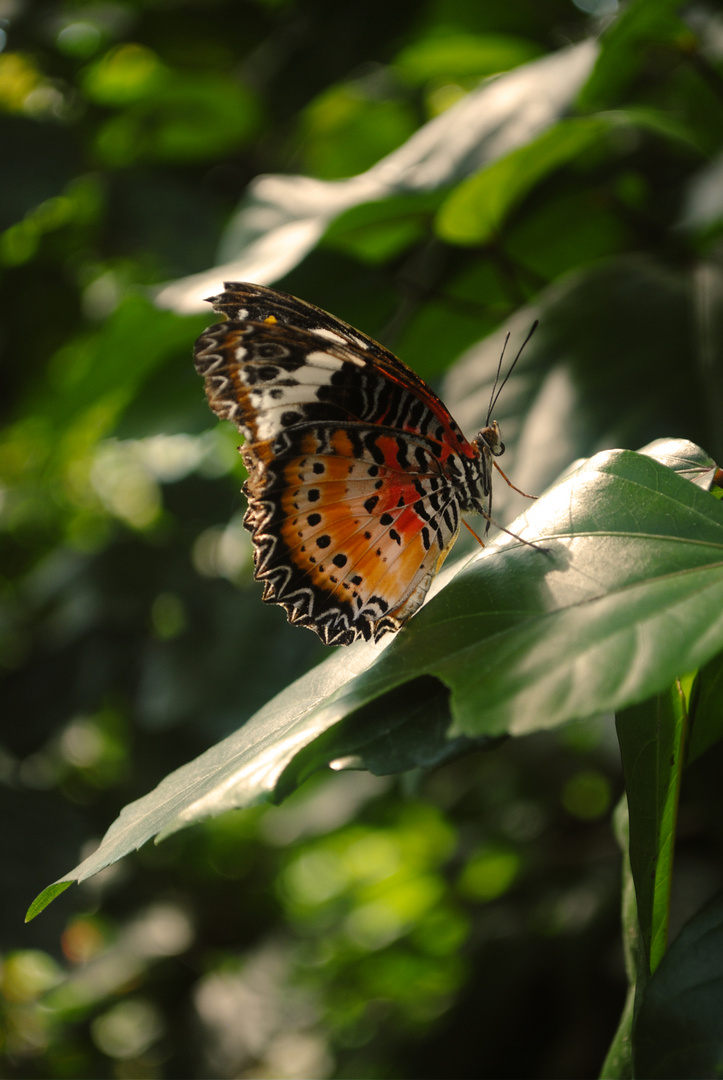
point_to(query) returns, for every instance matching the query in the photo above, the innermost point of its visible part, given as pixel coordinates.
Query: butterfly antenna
(494, 395)
(497, 390)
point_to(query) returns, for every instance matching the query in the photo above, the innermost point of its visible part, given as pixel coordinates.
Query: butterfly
(358, 474)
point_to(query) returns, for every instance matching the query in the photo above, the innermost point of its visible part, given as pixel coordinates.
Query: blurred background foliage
(461, 924)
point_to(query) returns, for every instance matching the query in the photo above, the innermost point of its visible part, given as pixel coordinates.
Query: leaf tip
(46, 897)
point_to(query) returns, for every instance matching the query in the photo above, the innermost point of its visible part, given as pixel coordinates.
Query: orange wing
(357, 471)
(347, 537)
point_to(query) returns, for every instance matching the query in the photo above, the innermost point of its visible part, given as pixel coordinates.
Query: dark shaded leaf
(652, 745)
(707, 726)
(679, 1031)
(38, 161)
(641, 25)
(618, 1064)
(187, 118)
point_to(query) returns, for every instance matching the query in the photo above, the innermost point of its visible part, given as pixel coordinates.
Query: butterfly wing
(347, 536)
(373, 383)
(354, 471)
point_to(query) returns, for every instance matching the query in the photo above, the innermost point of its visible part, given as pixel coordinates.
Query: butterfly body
(358, 474)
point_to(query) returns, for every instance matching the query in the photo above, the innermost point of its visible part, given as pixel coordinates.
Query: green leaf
(658, 122)
(461, 55)
(186, 118)
(652, 744)
(618, 1064)
(628, 595)
(377, 231)
(627, 591)
(707, 726)
(686, 459)
(679, 1030)
(567, 227)
(282, 217)
(346, 129)
(623, 51)
(476, 209)
(125, 74)
(102, 371)
(46, 897)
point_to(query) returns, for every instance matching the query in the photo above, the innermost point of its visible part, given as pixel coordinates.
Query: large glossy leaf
(627, 595)
(624, 591)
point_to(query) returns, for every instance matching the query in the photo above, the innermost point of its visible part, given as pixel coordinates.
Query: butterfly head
(489, 440)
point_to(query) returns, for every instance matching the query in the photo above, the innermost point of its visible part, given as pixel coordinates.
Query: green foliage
(478, 208)
(652, 744)
(367, 925)
(684, 997)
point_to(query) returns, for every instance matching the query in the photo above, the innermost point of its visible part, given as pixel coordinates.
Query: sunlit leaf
(46, 897)
(124, 74)
(526, 641)
(624, 591)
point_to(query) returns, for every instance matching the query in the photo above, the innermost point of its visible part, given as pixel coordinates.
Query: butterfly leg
(510, 484)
